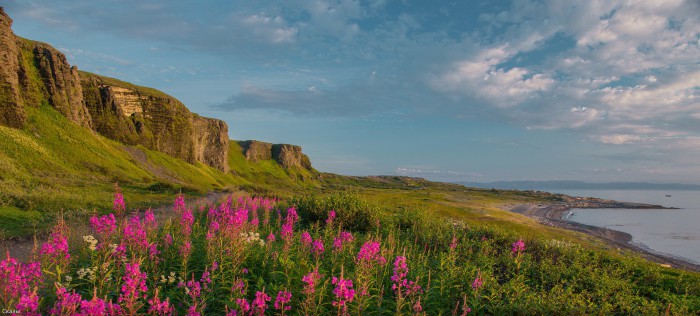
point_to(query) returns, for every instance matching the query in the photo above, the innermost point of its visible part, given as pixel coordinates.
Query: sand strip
(554, 215)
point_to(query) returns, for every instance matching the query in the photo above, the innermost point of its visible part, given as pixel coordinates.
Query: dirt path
(554, 214)
(22, 248)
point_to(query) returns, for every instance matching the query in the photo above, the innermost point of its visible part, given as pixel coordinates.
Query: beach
(554, 215)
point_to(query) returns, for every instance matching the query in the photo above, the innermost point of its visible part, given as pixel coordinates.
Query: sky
(447, 90)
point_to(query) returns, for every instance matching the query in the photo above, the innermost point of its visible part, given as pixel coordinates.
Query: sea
(675, 232)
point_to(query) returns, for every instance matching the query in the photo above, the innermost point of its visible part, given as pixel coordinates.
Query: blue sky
(447, 90)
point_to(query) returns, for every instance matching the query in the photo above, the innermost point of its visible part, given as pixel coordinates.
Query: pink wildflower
(271, 238)
(369, 254)
(133, 287)
(338, 242)
(317, 247)
(167, 240)
(331, 218)
(283, 298)
(399, 278)
(179, 204)
(67, 303)
(28, 304)
(56, 248)
(119, 205)
(311, 280)
(186, 221)
(417, 307)
(453, 243)
(306, 239)
(518, 247)
(344, 293)
(95, 307)
(134, 234)
(478, 281)
(260, 303)
(186, 249)
(243, 305)
(104, 226)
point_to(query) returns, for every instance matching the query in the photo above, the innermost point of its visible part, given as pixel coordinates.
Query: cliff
(32, 73)
(137, 115)
(288, 156)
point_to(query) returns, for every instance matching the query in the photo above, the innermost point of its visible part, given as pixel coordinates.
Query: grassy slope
(54, 165)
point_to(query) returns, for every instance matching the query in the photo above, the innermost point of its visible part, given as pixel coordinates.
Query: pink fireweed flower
(306, 239)
(271, 238)
(186, 221)
(343, 238)
(158, 307)
(94, 307)
(331, 218)
(518, 247)
(317, 247)
(167, 240)
(104, 226)
(311, 279)
(283, 298)
(134, 234)
(28, 304)
(238, 286)
(417, 307)
(153, 252)
(369, 254)
(119, 205)
(149, 220)
(344, 293)
(133, 286)
(179, 204)
(213, 228)
(287, 232)
(478, 281)
(67, 303)
(17, 279)
(292, 216)
(192, 311)
(56, 248)
(453, 243)
(399, 278)
(186, 249)
(260, 303)
(243, 305)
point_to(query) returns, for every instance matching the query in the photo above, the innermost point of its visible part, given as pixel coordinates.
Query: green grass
(230, 259)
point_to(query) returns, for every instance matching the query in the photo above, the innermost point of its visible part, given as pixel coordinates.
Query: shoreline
(553, 215)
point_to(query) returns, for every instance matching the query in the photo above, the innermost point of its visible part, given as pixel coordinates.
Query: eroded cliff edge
(32, 73)
(288, 156)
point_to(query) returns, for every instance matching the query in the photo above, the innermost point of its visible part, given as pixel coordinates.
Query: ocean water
(673, 232)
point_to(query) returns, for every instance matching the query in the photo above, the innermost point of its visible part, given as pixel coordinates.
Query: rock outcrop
(11, 103)
(32, 73)
(288, 156)
(210, 142)
(143, 116)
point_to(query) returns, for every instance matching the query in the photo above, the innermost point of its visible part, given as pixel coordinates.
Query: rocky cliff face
(142, 116)
(288, 156)
(210, 142)
(33, 72)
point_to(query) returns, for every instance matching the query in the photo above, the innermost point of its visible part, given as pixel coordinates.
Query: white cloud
(619, 139)
(274, 29)
(481, 77)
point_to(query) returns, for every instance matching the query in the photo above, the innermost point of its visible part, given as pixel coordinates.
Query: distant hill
(580, 185)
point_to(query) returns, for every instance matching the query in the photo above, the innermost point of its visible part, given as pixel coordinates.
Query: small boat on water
(668, 195)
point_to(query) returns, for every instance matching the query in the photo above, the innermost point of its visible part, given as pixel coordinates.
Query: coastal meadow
(331, 255)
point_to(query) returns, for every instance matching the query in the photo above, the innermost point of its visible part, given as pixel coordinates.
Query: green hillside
(53, 164)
